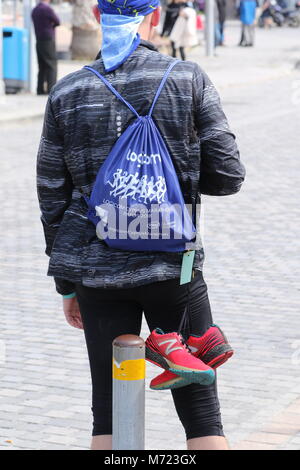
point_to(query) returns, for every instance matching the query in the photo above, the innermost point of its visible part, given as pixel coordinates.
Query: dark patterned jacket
(83, 121)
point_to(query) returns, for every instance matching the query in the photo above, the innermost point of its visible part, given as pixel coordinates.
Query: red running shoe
(170, 352)
(212, 348)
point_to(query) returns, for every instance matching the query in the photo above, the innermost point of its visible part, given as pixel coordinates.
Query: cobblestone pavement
(252, 272)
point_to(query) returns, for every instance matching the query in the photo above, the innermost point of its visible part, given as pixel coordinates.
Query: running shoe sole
(203, 377)
(179, 382)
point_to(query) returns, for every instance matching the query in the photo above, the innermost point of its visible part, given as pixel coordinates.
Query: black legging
(108, 313)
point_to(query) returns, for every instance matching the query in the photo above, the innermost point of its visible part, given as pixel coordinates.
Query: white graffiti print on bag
(145, 190)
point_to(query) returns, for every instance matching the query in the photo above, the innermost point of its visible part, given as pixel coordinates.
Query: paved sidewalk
(252, 269)
(275, 56)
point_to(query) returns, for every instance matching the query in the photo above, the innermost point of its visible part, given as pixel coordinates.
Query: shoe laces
(183, 342)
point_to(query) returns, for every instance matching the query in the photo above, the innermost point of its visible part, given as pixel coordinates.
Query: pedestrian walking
(184, 31)
(89, 117)
(221, 15)
(171, 15)
(45, 21)
(247, 16)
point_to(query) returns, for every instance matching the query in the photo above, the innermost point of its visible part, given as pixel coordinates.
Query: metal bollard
(210, 27)
(128, 393)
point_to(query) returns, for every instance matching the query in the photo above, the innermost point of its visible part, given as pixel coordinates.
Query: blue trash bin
(15, 58)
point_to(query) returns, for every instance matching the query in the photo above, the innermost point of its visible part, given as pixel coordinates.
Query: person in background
(221, 9)
(172, 13)
(217, 25)
(247, 10)
(184, 32)
(45, 21)
(265, 14)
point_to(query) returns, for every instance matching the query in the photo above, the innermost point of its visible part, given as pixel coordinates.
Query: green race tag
(187, 267)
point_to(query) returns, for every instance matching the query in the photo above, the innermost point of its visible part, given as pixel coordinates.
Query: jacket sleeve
(54, 185)
(222, 172)
(54, 18)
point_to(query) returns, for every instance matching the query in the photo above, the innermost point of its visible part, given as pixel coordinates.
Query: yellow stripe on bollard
(133, 369)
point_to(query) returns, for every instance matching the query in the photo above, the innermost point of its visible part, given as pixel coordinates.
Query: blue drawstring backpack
(136, 203)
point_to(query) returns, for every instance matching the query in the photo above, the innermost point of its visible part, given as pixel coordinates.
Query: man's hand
(72, 313)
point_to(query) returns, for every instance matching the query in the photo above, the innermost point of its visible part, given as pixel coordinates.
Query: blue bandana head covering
(120, 21)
